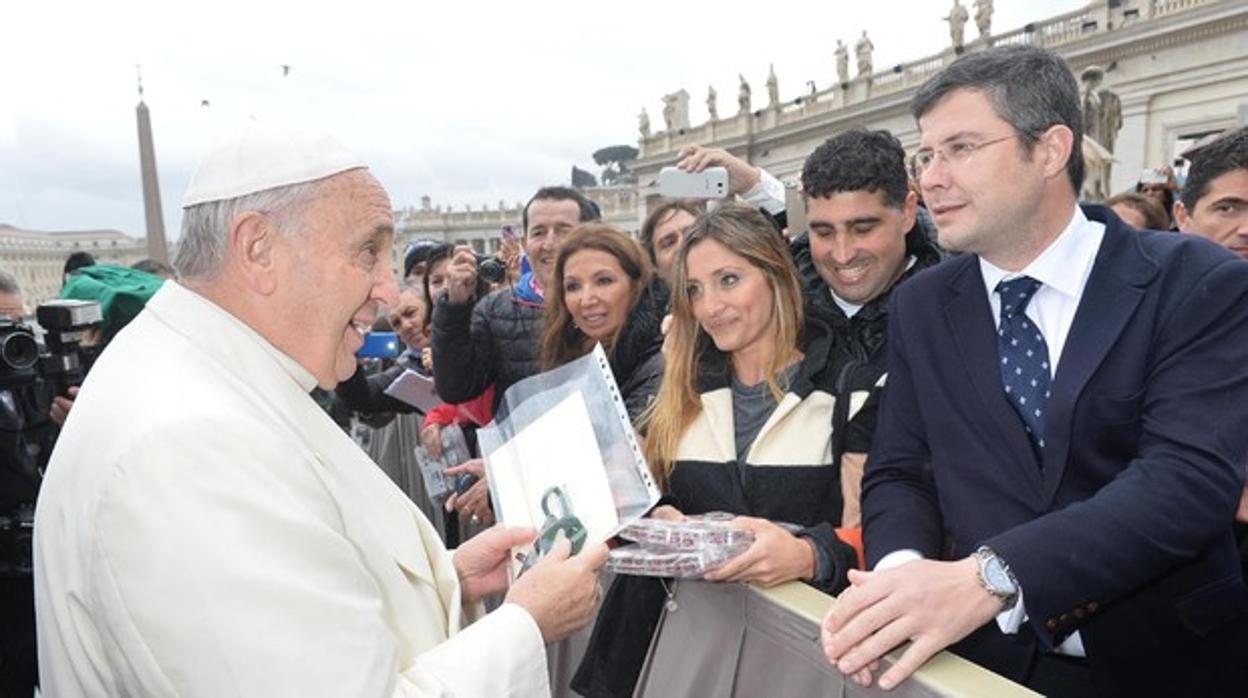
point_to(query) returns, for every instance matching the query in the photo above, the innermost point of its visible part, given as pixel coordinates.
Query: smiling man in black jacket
(864, 238)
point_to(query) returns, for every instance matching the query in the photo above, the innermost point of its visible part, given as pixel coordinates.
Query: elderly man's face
(11, 306)
(338, 270)
(408, 319)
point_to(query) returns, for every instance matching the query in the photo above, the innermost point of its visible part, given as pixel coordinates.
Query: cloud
(465, 102)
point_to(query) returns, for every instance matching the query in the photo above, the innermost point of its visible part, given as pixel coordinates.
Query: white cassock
(205, 529)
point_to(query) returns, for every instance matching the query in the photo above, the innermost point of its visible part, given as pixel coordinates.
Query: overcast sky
(469, 102)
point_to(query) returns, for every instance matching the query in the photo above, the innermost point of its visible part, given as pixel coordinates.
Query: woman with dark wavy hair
(605, 291)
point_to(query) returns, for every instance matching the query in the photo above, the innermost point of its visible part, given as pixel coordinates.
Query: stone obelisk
(156, 247)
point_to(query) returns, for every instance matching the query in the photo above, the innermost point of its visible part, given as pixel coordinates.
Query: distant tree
(615, 153)
(613, 159)
(582, 179)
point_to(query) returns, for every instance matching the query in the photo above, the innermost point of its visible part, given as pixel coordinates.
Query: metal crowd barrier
(729, 640)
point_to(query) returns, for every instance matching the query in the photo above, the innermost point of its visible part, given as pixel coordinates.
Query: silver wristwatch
(996, 577)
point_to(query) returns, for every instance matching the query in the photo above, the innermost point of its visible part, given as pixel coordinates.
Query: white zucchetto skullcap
(264, 156)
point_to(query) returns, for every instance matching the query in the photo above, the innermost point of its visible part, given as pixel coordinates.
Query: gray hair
(1031, 88)
(206, 226)
(8, 283)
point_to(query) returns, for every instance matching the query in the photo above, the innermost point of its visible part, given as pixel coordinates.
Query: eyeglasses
(954, 153)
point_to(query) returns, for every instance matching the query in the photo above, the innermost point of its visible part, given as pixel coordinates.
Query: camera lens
(19, 351)
(492, 270)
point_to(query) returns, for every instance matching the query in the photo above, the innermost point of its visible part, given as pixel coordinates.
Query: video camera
(32, 378)
(65, 322)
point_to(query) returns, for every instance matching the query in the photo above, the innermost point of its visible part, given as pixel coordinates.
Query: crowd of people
(985, 415)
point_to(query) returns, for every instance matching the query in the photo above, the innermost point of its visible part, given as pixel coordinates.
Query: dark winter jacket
(494, 342)
(367, 393)
(861, 340)
(637, 357)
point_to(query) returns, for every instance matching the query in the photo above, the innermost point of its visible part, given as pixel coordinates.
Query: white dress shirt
(1062, 269)
(767, 194)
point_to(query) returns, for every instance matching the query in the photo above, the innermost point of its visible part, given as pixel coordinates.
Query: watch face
(995, 575)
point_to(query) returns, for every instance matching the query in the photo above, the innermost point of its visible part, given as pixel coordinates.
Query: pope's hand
(561, 592)
(481, 562)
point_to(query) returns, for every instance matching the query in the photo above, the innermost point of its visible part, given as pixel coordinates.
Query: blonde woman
(742, 423)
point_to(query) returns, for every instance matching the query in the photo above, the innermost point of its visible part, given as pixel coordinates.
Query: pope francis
(205, 529)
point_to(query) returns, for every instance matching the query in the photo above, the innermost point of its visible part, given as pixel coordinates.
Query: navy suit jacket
(1124, 531)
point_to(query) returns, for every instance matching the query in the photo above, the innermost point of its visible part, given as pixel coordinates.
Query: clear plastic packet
(561, 456)
(684, 564)
(694, 533)
(680, 549)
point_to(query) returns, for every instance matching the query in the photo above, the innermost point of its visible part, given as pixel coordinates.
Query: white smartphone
(711, 183)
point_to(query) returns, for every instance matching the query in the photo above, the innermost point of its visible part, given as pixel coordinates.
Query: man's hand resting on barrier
(928, 603)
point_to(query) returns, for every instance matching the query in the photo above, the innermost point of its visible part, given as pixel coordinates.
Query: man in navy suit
(1061, 440)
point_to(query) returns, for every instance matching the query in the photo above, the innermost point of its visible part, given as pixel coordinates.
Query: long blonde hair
(561, 340)
(747, 233)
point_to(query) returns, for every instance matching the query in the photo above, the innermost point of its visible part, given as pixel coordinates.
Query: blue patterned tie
(1024, 357)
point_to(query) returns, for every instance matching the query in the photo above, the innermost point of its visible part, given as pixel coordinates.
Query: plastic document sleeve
(561, 456)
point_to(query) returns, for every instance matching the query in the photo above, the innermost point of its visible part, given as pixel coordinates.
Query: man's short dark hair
(589, 209)
(78, 260)
(858, 160)
(660, 214)
(1031, 88)
(1227, 154)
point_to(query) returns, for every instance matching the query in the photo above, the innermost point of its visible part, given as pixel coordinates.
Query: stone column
(156, 247)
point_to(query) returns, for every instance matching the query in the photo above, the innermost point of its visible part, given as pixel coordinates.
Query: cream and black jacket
(788, 474)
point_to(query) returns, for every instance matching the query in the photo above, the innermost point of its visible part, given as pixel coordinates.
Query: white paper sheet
(414, 389)
(556, 450)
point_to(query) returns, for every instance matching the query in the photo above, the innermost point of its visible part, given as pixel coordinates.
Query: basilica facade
(1159, 75)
